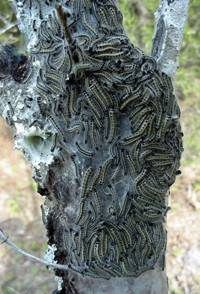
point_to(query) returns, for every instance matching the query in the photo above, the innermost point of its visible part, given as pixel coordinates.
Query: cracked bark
(45, 130)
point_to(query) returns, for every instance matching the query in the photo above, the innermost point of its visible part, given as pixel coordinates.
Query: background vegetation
(19, 202)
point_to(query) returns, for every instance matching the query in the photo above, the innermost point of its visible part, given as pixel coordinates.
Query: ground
(20, 217)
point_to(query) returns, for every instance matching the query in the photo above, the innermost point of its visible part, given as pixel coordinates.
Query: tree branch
(4, 238)
(7, 25)
(7, 28)
(171, 16)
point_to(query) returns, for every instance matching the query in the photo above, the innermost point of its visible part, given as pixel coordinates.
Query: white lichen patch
(37, 64)
(49, 254)
(36, 144)
(59, 281)
(32, 43)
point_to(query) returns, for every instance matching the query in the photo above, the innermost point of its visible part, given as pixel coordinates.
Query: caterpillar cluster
(116, 112)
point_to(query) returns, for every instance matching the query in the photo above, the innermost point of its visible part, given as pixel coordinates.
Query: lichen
(170, 21)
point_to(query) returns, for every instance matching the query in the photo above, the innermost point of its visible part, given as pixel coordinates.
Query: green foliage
(8, 33)
(177, 291)
(129, 19)
(139, 21)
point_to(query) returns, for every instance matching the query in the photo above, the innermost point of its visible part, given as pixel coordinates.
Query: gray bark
(170, 21)
(85, 104)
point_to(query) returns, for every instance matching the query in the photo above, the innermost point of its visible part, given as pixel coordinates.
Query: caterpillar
(84, 152)
(115, 115)
(85, 182)
(112, 125)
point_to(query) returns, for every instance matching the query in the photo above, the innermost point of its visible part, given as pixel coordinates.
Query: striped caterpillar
(113, 110)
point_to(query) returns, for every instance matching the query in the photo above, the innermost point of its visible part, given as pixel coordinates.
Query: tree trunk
(99, 123)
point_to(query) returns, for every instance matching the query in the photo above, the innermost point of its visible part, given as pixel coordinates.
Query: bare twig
(7, 24)
(4, 239)
(7, 28)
